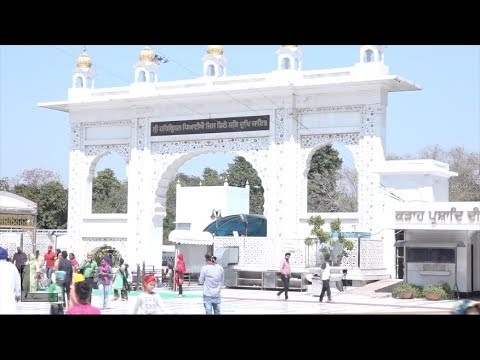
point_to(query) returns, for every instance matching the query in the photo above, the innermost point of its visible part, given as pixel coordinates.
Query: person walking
(326, 279)
(180, 270)
(285, 273)
(74, 262)
(66, 265)
(49, 258)
(211, 277)
(20, 260)
(56, 293)
(120, 281)
(104, 274)
(34, 273)
(88, 268)
(149, 302)
(10, 285)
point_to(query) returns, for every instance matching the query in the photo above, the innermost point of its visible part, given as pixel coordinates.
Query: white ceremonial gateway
(276, 121)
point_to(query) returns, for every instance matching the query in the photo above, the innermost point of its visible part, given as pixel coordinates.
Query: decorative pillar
(371, 152)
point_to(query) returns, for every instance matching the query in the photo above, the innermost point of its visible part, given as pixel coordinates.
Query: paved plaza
(256, 302)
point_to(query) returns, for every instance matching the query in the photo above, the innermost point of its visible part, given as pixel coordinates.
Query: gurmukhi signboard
(233, 124)
(447, 216)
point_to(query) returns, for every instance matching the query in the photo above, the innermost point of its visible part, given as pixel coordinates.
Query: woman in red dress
(180, 271)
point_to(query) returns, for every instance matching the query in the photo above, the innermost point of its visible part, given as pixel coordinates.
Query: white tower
(214, 62)
(290, 57)
(83, 74)
(147, 66)
(372, 59)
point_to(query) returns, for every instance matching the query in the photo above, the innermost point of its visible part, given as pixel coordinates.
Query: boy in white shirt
(326, 278)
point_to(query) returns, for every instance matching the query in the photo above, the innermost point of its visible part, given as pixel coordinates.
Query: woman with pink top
(82, 307)
(74, 262)
(104, 275)
(285, 275)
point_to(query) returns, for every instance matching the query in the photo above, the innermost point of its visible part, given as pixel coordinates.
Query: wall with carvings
(281, 157)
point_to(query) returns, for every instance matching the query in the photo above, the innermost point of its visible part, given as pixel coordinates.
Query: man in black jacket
(19, 260)
(66, 265)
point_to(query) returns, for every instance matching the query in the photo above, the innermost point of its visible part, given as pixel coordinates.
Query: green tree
(109, 195)
(37, 177)
(347, 190)
(465, 186)
(322, 180)
(52, 203)
(5, 184)
(212, 177)
(333, 243)
(241, 171)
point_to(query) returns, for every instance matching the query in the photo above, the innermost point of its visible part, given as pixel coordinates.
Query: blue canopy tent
(241, 224)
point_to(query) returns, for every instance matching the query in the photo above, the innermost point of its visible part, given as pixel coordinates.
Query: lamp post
(216, 214)
(456, 292)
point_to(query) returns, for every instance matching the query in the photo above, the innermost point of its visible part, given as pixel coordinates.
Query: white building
(198, 206)
(277, 122)
(437, 239)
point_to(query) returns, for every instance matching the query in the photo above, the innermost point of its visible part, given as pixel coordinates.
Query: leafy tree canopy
(109, 195)
(52, 203)
(333, 243)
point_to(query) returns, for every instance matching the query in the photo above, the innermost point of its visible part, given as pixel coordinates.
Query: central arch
(167, 159)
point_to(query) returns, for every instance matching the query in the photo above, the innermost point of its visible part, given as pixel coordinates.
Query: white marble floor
(238, 302)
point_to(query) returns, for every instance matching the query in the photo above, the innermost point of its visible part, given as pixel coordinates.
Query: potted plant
(404, 291)
(436, 292)
(334, 243)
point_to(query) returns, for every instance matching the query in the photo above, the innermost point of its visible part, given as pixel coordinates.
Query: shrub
(418, 291)
(437, 289)
(403, 288)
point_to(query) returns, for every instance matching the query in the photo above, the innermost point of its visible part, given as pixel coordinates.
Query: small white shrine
(198, 206)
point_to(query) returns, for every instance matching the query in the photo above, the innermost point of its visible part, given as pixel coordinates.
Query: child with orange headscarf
(149, 302)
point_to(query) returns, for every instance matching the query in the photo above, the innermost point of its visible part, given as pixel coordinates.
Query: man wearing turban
(10, 284)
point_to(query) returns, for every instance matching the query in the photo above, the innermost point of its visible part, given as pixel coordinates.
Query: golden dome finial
(84, 61)
(215, 49)
(147, 55)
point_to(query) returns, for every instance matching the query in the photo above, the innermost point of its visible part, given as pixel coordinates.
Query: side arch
(310, 144)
